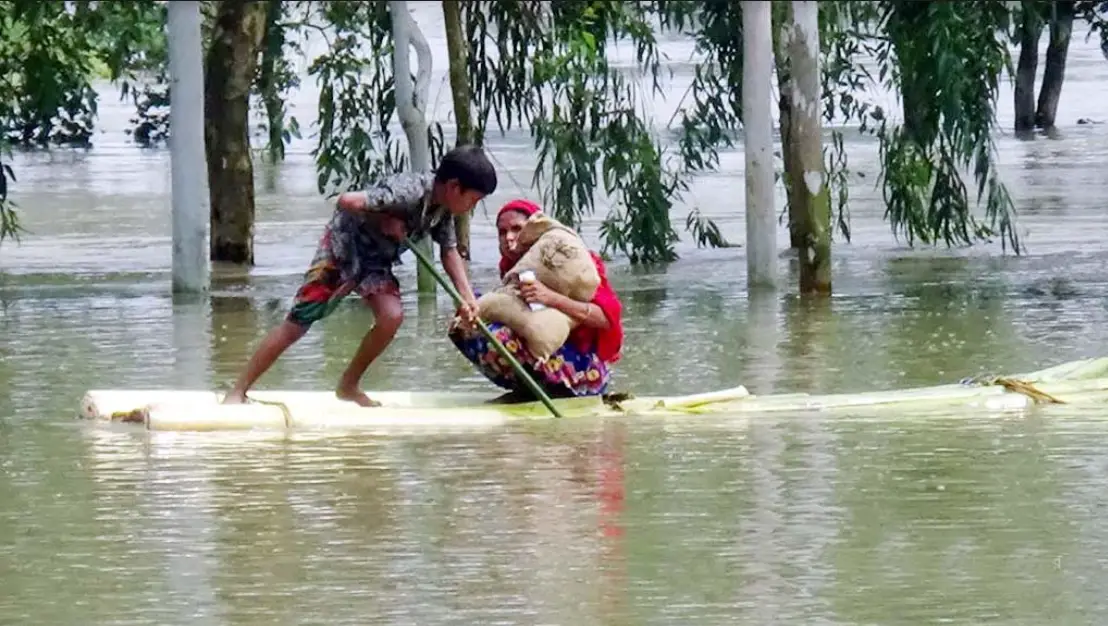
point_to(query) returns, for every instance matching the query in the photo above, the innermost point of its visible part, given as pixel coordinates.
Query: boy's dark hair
(469, 166)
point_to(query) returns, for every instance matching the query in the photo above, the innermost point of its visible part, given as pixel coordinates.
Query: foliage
(546, 66)
(357, 100)
(137, 55)
(946, 62)
(921, 49)
(714, 115)
(1095, 14)
(50, 52)
(276, 76)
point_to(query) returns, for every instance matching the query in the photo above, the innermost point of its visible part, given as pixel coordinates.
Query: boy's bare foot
(356, 396)
(234, 397)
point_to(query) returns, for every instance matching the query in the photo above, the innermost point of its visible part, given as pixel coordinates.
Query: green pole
(522, 373)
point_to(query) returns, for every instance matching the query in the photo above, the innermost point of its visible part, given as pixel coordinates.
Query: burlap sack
(542, 331)
(558, 256)
(561, 261)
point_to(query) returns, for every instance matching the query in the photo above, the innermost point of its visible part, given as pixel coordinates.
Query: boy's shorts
(344, 263)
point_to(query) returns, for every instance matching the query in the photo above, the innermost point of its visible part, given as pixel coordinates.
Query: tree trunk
(761, 235)
(785, 112)
(229, 74)
(457, 50)
(802, 38)
(411, 105)
(1054, 69)
(917, 92)
(186, 145)
(1031, 29)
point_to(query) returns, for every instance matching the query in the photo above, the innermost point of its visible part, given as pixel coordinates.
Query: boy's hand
(456, 269)
(393, 227)
(467, 312)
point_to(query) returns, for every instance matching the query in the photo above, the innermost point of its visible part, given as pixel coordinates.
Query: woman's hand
(583, 312)
(536, 292)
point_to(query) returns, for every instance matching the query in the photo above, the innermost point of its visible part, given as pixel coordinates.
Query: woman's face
(508, 226)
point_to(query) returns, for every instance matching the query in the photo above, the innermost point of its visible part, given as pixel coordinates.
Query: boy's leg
(388, 315)
(316, 298)
(272, 347)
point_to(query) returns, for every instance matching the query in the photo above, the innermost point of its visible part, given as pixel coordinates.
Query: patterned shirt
(408, 196)
(405, 195)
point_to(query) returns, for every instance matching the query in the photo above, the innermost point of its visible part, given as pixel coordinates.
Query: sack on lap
(542, 331)
(561, 261)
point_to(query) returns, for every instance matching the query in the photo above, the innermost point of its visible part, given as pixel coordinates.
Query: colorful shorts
(568, 372)
(343, 264)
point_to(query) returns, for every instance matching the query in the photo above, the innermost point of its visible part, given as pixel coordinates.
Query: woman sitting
(582, 366)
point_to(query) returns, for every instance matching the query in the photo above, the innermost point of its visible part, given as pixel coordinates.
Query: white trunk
(188, 163)
(757, 100)
(411, 103)
(411, 98)
(804, 60)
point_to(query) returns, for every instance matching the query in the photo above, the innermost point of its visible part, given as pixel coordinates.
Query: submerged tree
(49, 55)
(458, 53)
(229, 73)
(800, 37)
(713, 113)
(945, 60)
(1032, 17)
(411, 103)
(545, 67)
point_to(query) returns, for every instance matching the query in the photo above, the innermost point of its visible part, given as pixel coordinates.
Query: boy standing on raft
(359, 246)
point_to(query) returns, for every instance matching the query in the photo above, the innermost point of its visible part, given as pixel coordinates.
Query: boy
(361, 243)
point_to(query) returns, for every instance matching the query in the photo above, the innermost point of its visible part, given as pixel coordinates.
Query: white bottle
(528, 276)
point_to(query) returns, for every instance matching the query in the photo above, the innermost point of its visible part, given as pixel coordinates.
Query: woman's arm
(584, 313)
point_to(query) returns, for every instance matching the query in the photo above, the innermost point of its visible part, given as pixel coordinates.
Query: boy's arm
(456, 269)
(353, 202)
(390, 195)
(444, 235)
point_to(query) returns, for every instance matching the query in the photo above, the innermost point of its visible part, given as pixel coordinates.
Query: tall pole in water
(188, 163)
(761, 225)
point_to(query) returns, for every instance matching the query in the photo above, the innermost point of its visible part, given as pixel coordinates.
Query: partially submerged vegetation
(546, 67)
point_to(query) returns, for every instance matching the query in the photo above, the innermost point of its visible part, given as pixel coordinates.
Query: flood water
(801, 518)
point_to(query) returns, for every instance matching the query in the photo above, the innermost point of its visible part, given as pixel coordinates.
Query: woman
(582, 366)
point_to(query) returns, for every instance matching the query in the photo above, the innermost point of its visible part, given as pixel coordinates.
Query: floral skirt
(567, 372)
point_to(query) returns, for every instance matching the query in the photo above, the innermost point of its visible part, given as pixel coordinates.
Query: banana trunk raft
(1076, 382)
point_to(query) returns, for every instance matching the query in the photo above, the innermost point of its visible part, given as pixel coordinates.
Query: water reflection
(534, 523)
(192, 337)
(761, 338)
(761, 530)
(956, 520)
(181, 528)
(236, 329)
(811, 347)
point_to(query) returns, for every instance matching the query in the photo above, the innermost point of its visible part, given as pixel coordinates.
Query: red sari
(581, 367)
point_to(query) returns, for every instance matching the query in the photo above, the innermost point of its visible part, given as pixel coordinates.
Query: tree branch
(410, 105)
(423, 61)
